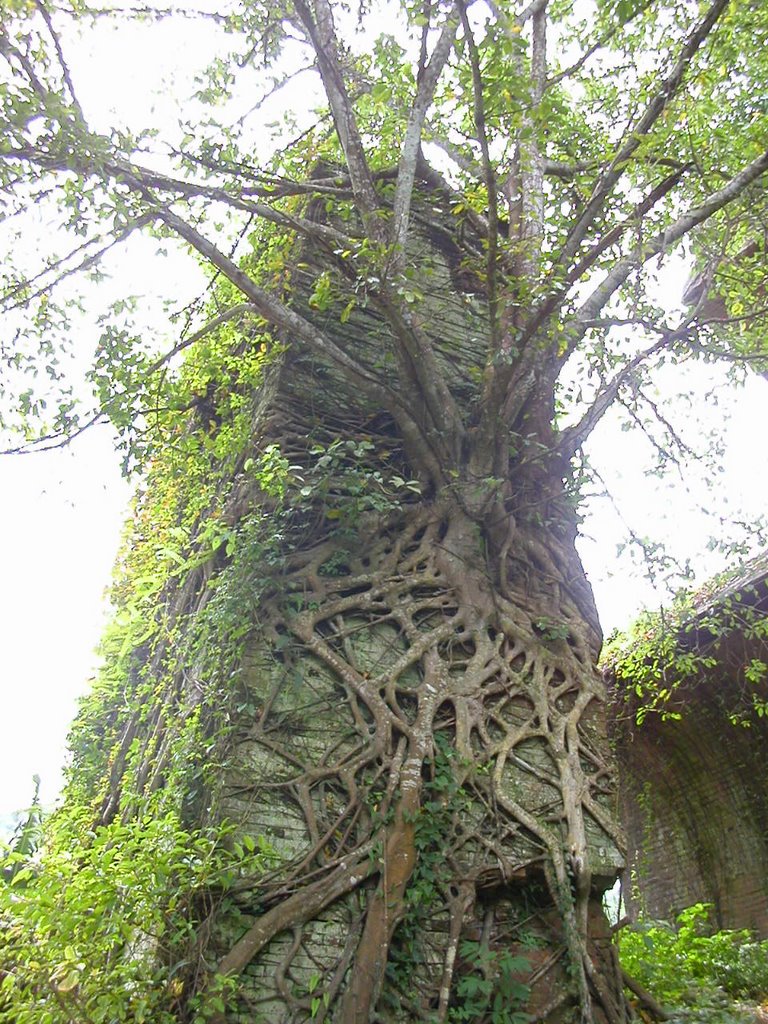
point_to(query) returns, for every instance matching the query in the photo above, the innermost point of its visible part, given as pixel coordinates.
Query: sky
(60, 519)
(62, 512)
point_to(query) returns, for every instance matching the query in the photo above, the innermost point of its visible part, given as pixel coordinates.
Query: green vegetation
(104, 905)
(490, 990)
(490, 986)
(699, 975)
(102, 924)
(664, 652)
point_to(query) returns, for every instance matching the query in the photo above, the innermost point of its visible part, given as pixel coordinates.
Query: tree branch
(122, 169)
(635, 135)
(60, 439)
(531, 159)
(523, 380)
(489, 177)
(322, 34)
(574, 437)
(654, 1008)
(163, 182)
(8, 50)
(229, 314)
(85, 264)
(62, 63)
(502, 375)
(425, 92)
(617, 231)
(273, 310)
(598, 45)
(559, 169)
(664, 240)
(463, 162)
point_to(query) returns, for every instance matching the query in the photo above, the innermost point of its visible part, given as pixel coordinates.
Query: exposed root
(361, 681)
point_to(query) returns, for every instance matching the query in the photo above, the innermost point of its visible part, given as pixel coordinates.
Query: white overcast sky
(61, 513)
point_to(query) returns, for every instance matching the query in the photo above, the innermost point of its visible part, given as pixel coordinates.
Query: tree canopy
(583, 143)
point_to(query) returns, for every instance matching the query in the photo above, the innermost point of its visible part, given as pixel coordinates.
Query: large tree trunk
(426, 756)
(416, 724)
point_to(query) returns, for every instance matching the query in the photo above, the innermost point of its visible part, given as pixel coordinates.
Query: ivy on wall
(721, 630)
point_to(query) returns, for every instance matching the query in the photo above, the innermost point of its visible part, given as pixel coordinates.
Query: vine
(722, 628)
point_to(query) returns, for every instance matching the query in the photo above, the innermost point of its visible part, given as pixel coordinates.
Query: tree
(351, 617)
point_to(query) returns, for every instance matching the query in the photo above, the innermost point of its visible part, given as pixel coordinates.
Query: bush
(99, 926)
(697, 973)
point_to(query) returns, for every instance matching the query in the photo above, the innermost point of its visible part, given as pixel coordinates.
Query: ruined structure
(694, 789)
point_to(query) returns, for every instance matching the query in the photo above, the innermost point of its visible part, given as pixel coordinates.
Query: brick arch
(694, 792)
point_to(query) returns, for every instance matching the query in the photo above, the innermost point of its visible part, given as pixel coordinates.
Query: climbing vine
(721, 629)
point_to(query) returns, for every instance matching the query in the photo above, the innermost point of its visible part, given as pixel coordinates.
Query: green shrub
(695, 972)
(99, 926)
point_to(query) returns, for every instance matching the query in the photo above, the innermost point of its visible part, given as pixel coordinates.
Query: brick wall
(694, 796)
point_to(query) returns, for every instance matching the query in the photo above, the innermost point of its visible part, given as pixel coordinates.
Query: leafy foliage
(101, 925)
(490, 989)
(695, 972)
(26, 837)
(665, 652)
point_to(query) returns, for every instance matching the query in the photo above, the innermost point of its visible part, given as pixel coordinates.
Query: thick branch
(531, 159)
(664, 240)
(559, 291)
(558, 169)
(527, 223)
(489, 177)
(409, 154)
(645, 997)
(309, 228)
(622, 270)
(453, 152)
(119, 168)
(322, 34)
(191, 190)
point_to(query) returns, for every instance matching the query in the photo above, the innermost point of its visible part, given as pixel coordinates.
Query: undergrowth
(697, 974)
